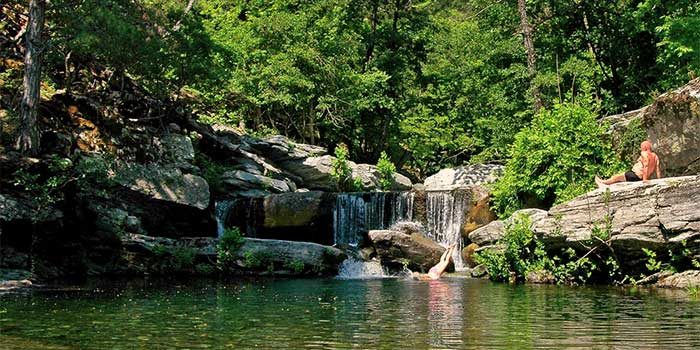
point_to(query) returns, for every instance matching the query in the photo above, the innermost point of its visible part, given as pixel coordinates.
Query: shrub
(554, 160)
(386, 171)
(341, 171)
(229, 243)
(521, 254)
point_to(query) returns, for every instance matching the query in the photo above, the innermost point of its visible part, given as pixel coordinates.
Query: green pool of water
(337, 314)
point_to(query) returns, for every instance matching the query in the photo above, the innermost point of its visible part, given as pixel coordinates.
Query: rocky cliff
(662, 216)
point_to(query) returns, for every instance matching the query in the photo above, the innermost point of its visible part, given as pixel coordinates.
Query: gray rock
(685, 279)
(416, 250)
(451, 178)
(279, 148)
(165, 183)
(175, 148)
(658, 215)
(240, 180)
(316, 258)
(672, 124)
(488, 234)
(315, 172)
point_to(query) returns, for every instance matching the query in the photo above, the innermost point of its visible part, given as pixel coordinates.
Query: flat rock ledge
(254, 256)
(659, 215)
(685, 279)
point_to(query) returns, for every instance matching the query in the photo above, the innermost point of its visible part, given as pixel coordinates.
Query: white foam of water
(355, 269)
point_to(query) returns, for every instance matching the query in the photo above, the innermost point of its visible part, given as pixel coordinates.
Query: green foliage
(296, 266)
(342, 173)
(652, 263)
(212, 171)
(229, 243)
(386, 171)
(183, 257)
(521, 254)
(554, 159)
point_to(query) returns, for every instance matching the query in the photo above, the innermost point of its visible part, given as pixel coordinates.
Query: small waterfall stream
(355, 214)
(222, 208)
(445, 216)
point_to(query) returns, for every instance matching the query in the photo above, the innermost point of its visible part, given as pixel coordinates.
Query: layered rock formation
(661, 215)
(672, 123)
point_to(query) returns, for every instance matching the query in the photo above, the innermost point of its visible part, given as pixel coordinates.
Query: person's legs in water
(437, 270)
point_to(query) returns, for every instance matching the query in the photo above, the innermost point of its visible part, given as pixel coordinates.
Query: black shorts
(631, 176)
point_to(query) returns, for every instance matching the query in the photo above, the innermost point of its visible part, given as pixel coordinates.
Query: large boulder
(474, 174)
(409, 248)
(671, 122)
(166, 201)
(661, 215)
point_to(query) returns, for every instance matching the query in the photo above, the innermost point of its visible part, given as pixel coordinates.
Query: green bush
(342, 173)
(520, 254)
(554, 160)
(229, 243)
(386, 171)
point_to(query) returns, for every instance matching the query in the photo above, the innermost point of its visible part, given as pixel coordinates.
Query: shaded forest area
(432, 83)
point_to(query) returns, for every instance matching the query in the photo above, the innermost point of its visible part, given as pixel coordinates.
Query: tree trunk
(526, 29)
(28, 140)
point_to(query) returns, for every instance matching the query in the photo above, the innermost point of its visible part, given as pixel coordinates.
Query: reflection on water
(344, 314)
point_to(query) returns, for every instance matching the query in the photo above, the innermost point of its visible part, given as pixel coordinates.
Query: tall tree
(526, 30)
(28, 140)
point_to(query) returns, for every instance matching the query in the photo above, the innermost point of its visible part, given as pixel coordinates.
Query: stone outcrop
(660, 215)
(672, 123)
(685, 279)
(146, 254)
(451, 178)
(405, 246)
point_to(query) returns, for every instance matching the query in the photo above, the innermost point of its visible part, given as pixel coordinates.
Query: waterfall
(357, 269)
(222, 209)
(357, 213)
(445, 212)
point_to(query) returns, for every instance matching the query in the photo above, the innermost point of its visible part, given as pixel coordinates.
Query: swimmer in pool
(438, 270)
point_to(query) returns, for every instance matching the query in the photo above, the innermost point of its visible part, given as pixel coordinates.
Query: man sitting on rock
(438, 270)
(646, 165)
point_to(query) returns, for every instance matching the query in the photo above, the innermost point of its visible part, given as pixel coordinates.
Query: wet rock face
(672, 124)
(298, 216)
(411, 248)
(660, 215)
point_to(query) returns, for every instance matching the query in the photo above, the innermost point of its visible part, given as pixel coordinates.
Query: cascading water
(445, 211)
(222, 209)
(357, 213)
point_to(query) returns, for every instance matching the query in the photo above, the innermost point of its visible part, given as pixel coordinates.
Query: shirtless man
(438, 270)
(646, 165)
